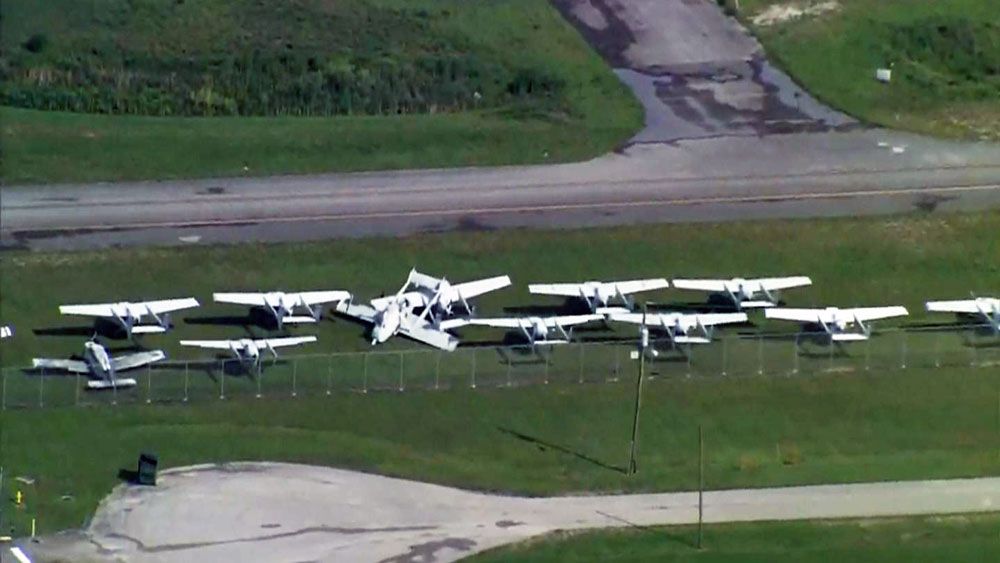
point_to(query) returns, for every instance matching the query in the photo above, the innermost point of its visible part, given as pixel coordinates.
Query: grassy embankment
(945, 59)
(932, 539)
(843, 425)
(318, 87)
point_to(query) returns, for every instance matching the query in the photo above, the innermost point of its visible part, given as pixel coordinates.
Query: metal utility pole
(643, 342)
(701, 480)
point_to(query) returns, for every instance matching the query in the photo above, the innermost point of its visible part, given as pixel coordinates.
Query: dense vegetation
(945, 58)
(311, 57)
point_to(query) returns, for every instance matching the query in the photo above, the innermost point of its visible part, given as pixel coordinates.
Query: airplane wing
(422, 280)
(472, 289)
(635, 286)
(357, 310)
(570, 320)
(93, 310)
(963, 306)
(428, 335)
(797, 315)
(212, 344)
(652, 319)
(875, 313)
(317, 297)
(772, 284)
(240, 298)
(709, 319)
(74, 366)
(168, 305)
(701, 284)
(129, 361)
(507, 322)
(562, 289)
(279, 342)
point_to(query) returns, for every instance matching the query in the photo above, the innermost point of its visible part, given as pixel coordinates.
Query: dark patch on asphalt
(928, 203)
(426, 552)
(468, 223)
(508, 523)
(212, 190)
(56, 199)
(612, 41)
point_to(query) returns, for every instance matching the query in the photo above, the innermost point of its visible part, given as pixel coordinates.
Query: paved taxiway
(285, 512)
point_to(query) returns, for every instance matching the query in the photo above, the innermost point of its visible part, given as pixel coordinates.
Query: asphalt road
(720, 179)
(284, 512)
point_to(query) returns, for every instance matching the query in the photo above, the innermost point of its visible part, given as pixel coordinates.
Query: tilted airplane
(248, 350)
(598, 295)
(837, 322)
(536, 330)
(986, 309)
(128, 315)
(101, 367)
(392, 316)
(438, 297)
(678, 326)
(282, 306)
(6, 332)
(746, 293)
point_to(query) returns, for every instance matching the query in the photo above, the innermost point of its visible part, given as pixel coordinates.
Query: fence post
(902, 364)
(222, 382)
(258, 374)
(580, 371)
(546, 362)
(725, 342)
(400, 372)
(760, 355)
(187, 366)
(295, 373)
(149, 383)
(437, 371)
(41, 389)
(687, 358)
(364, 373)
(329, 376)
(937, 351)
(76, 392)
(618, 363)
(508, 373)
(795, 354)
(3, 392)
(868, 353)
(474, 368)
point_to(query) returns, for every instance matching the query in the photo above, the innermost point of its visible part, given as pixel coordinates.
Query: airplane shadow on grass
(544, 446)
(100, 327)
(255, 318)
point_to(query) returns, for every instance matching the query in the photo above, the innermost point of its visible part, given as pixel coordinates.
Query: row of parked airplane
(428, 309)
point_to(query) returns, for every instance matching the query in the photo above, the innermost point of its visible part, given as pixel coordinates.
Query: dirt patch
(781, 13)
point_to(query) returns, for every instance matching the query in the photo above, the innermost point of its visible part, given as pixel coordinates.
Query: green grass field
(853, 262)
(590, 114)
(560, 438)
(945, 56)
(935, 539)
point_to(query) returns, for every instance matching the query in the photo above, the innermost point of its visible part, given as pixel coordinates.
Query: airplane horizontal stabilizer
(101, 384)
(298, 320)
(691, 340)
(848, 337)
(148, 329)
(756, 304)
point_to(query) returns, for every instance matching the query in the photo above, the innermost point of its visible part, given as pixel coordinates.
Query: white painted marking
(19, 555)
(191, 239)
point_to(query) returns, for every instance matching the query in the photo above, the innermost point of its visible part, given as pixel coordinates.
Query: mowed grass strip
(540, 440)
(591, 114)
(927, 539)
(945, 58)
(853, 262)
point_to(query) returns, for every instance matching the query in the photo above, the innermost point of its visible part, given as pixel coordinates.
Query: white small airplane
(986, 309)
(746, 293)
(390, 316)
(100, 366)
(837, 322)
(282, 306)
(248, 350)
(6, 332)
(598, 295)
(536, 330)
(129, 315)
(678, 326)
(438, 296)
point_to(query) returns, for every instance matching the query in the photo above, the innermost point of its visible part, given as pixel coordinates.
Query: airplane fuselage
(387, 322)
(99, 361)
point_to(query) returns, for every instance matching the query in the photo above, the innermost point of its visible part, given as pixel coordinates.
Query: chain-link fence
(730, 355)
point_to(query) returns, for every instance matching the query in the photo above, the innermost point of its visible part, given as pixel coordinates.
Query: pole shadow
(543, 445)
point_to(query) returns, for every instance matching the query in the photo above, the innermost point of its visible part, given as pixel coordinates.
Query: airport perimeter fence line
(730, 355)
